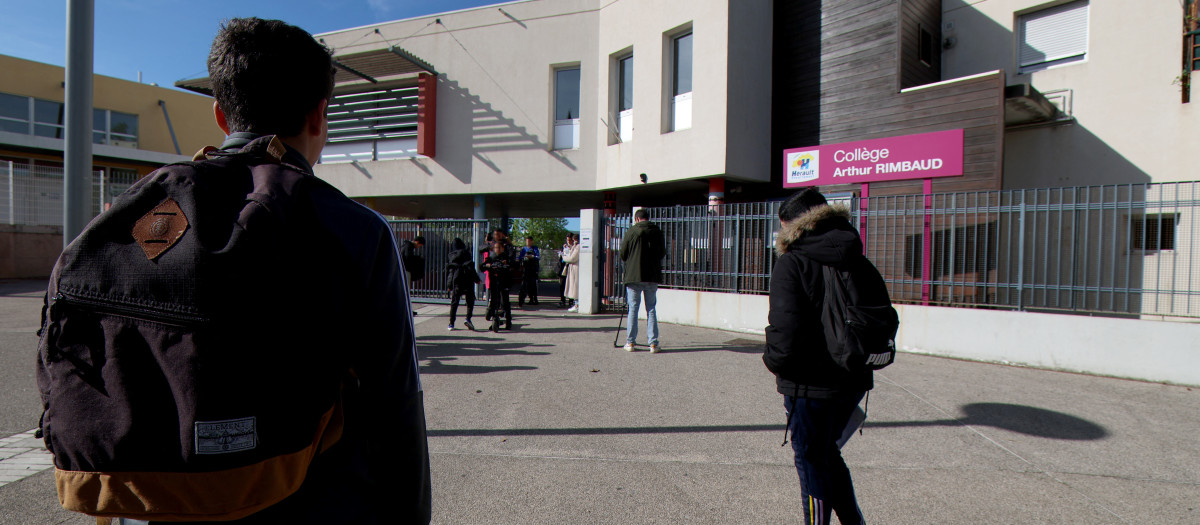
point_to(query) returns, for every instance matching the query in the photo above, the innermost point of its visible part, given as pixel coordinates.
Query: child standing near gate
(499, 271)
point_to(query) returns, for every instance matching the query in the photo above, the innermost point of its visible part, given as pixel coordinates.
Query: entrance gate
(439, 234)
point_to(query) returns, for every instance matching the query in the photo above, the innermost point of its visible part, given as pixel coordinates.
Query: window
(566, 108)
(681, 82)
(45, 118)
(1152, 232)
(925, 46)
(1052, 37)
(14, 114)
(48, 118)
(114, 128)
(1193, 43)
(372, 125)
(625, 98)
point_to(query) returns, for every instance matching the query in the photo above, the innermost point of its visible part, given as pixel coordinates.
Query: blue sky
(168, 40)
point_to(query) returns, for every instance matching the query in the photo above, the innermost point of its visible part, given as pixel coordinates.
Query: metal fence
(1113, 250)
(439, 234)
(34, 195)
(1122, 250)
(723, 248)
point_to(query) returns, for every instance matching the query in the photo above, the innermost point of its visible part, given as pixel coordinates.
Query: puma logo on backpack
(863, 336)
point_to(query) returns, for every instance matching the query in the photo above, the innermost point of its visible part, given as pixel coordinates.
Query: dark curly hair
(267, 75)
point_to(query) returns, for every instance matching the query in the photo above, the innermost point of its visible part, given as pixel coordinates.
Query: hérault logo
(803, 166)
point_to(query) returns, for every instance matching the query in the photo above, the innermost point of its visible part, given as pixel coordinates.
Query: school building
(136, 128)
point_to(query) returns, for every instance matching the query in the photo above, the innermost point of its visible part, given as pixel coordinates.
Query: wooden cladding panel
(916, 15)
(845, 86)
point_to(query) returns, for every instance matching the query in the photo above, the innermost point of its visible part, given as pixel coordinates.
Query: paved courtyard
(551, 424)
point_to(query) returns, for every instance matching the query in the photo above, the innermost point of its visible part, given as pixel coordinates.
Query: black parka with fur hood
(796, 350)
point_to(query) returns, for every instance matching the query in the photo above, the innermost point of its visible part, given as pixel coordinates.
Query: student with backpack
(831, 324)
(461, 275)
(232, 341)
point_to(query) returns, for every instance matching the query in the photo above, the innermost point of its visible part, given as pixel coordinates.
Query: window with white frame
(624, 109)
(681, 82)
(566, 108)
(1052, 37)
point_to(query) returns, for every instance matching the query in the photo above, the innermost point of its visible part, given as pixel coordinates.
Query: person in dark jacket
(530, 258)
(498, 266)
(413, 264)
(642, 249)
(272, 84)
(461, 275)
(819, 396)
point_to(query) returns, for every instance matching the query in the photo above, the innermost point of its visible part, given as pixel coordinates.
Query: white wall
(1131, 125)
(723, 311)
(1136, 349)
(1160, 351)
(495, 96)
(495, 103)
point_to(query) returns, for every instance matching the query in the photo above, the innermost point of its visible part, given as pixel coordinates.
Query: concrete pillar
(478, 234)
(591, 271)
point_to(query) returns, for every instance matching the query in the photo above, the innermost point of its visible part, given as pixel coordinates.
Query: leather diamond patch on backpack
(159, 230)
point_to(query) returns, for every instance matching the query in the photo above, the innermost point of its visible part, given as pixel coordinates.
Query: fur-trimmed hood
(823, 233)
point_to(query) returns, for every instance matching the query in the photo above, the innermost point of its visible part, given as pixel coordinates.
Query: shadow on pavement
(434, 355)
(594, 431)
(1017, 418)
(437, 366)
(1023, 419)
(741, 346)
(22, 287)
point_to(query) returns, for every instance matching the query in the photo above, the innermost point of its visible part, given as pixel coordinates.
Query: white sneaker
(654, 348)
(628, 347)
(573, 309)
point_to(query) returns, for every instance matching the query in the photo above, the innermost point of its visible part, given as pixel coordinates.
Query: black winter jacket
(796, 350)
(460, 271)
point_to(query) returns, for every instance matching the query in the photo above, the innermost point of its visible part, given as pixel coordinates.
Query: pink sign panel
(922, 156)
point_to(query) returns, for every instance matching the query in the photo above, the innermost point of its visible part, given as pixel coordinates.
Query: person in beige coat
(572, 260)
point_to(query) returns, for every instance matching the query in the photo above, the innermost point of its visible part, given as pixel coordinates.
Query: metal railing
(1113, 250)
(33, 195)
(439, 234)
(1122, 250)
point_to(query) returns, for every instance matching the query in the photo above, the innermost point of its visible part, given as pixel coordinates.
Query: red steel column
(427, 115)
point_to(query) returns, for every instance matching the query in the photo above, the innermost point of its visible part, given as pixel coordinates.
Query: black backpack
(170, 390)
(860, 336)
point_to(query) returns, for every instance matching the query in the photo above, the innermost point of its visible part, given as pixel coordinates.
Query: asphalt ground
(551, 424)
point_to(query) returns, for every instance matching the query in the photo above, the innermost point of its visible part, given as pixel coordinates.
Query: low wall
(724, 311)
(1147, 350)
(28, 251)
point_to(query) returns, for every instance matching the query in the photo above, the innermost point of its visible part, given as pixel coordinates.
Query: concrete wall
(496, 108)
(191, 114)
(1130, 348)
(28, 251)
(1160, 351)
(1131, 125)
(495, 100)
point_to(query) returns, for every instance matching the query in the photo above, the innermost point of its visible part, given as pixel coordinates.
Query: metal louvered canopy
(352, 68)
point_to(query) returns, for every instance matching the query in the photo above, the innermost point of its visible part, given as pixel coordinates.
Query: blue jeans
(825, 484)
(633, 297)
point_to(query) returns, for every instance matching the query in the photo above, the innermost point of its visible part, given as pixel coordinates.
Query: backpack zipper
(121, 309)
